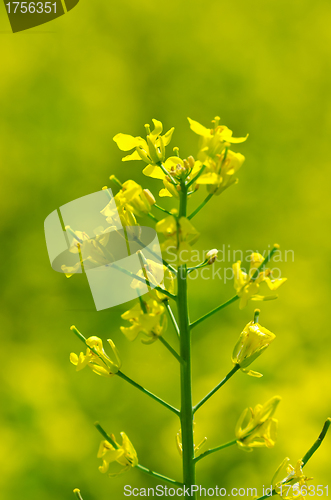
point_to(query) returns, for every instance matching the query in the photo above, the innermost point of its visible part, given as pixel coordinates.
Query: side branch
(200, 207)
(158, 476)
(211, 393)
(171, 349)
(213, 450)
(150, 394)
(218, 308)
(317, 443)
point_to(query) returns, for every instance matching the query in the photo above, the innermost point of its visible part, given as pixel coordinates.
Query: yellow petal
(73, 358)
(164, 192)
(167, 136)
(198, 128)
(236, 140)
(126, 142)
(158, 128)
(210, 178)
(132, 156)
(154, 171)
(254, 374)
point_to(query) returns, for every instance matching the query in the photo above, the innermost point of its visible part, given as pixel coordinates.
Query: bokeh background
(66, 89)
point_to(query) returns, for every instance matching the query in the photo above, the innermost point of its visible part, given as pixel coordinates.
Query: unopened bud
(149, 196)
(191, 161)
(143, 155)
(147, 128)
(176, 150)
(212, 256)
(186, 164)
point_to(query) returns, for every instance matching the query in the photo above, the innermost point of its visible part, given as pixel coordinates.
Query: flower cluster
(294, 484)
(257, 427)
(124, 454)
(96, 357)
(247, 284)
(151, 322)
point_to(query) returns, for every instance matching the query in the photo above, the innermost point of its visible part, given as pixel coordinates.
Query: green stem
(172, 317)
(158, 476)
(196, 177)
(186, 414)
(106, 435)
(199, 266)
(126, 240)
(218, 308)
(165, 171)
(170, 349)
(200, 207)
(211, 393)
(162, 209)
(317, 443)
(155, 219)
(150, 394)
(213, 450)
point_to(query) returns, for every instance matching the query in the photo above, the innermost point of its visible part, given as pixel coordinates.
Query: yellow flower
(179, 235)
(99, 363)
(253, 340)
(219, 173)
(178, 169)
(134, 198)
(256, 427)
(124, 454)
(151, 150)
(294, 485)
(246, 287)
(197, 447)
(151, 323)
(92, 251)
(213, 140)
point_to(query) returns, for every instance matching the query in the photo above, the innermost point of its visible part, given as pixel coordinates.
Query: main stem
(186, 414)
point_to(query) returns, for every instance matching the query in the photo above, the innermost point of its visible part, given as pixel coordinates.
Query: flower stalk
(186, 413)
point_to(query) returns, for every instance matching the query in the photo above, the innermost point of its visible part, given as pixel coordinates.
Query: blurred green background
(66, 89)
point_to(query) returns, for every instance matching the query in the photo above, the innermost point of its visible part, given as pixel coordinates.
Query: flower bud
(253, 340)
(191, 161)
(212, 256)
(149, 196)
(186, 164)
